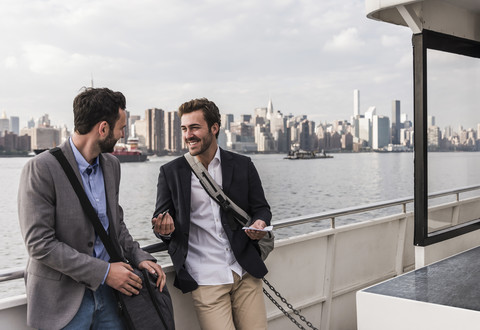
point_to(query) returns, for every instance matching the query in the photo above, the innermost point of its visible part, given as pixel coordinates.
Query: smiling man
(213, 257)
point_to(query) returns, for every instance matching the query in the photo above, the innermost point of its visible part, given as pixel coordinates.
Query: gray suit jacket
(59, 238)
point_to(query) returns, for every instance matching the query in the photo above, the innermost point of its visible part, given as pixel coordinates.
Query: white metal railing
(16, 273)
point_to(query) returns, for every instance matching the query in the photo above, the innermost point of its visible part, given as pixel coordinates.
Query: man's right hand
(163, 224)
(122, 278)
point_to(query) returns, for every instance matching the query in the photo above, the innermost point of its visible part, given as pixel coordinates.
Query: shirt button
(90, 244)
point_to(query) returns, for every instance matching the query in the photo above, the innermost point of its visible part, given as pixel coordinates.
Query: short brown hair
(209, 109)
(94, 105)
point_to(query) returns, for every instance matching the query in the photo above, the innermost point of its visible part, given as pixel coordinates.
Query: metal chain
(287, 314)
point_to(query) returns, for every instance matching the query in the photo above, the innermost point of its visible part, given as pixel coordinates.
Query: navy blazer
(241, 183)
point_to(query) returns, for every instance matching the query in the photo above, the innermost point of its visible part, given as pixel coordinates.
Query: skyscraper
(173, 133)
(226, 119)
(396, 124)
(380, 132)
(4, 124)
(155, 138)
(15, 125)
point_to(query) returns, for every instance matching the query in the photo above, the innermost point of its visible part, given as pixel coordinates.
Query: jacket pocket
(40, 270)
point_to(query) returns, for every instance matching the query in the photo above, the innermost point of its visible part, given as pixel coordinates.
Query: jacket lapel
(227, 170)
(109, 180)
(185, 175)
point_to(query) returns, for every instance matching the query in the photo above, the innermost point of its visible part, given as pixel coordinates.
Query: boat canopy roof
(460, 18)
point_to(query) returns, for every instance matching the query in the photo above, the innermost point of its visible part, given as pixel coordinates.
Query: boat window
(447, 145)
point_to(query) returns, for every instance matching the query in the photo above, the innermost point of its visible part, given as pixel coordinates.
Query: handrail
(17, 273)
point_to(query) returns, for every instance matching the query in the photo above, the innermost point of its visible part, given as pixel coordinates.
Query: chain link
(287, 314)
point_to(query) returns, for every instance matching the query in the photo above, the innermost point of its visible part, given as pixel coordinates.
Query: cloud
(390, 40)
(347, 40)
(161, 53)
(10, 62)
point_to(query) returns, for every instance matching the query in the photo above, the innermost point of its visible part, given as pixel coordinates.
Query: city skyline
(306, 56)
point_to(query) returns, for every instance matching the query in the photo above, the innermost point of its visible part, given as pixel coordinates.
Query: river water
(293, 188)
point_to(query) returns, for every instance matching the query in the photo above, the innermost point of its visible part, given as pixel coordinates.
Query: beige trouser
(231, 306)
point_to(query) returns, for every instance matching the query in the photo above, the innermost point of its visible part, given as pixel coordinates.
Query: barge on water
(301, 154)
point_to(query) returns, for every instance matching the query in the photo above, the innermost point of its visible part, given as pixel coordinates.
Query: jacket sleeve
(257, 203)
(164, 200)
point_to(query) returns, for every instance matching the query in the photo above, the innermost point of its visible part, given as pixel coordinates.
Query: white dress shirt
(210, 259)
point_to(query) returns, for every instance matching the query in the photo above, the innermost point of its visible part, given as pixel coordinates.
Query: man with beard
(213, 257)
(70, 282)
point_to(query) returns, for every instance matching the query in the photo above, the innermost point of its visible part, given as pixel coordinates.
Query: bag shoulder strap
(213, 189)
(86, 205)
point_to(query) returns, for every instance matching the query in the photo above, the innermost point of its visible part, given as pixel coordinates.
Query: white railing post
(402, 233)
(328, 282)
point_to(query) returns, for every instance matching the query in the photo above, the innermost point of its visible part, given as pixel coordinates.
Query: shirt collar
(217, 157)
(81, 162)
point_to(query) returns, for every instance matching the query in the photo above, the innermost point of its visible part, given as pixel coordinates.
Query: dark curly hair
(209, 109)
(94, 105)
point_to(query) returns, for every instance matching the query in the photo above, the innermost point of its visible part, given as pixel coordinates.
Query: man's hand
(154, 268)
(255, 234)
(122, 278)
(163, 224)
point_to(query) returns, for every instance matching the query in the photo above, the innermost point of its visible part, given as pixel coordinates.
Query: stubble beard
(206, 142)
(108, 144)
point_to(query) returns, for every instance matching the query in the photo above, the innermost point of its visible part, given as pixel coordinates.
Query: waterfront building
(264, 139)
(12, 142)
(433, 136)
(370, 113)
(155, 125)
(226, 119)
(15, 124)
(307, 139)
(396, 124)
(380, 132)
(260, 112)
(406, 137)
(43, 137)
(245, 119)
(43, 121)
(31, 123)
(4, 124)
(140, 131)
(173, 132)
(347, 141)
(365, 130)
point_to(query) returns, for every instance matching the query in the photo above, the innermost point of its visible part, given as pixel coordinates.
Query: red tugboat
(129, 152)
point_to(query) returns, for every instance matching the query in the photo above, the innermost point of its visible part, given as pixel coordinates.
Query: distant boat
(129, 152)
(126, 156)
(301, 154)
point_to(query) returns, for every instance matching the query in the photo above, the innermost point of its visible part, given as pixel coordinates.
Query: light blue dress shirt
(92, 178)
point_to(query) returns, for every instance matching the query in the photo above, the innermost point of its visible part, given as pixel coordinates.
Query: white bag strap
(214, 190)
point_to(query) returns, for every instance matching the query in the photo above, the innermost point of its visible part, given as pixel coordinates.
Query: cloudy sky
(306, 55)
